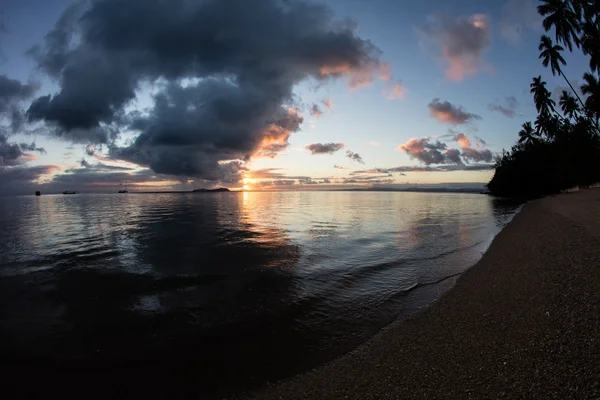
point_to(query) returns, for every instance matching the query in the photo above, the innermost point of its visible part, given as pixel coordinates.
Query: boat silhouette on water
(70, 192)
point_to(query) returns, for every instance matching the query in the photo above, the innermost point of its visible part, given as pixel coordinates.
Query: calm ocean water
(245, 287)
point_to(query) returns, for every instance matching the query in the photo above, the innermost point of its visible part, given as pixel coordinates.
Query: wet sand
(524, 323)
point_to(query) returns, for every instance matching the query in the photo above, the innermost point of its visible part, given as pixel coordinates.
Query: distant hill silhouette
(211, 190)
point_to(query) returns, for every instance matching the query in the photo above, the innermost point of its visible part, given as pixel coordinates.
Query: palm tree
(546, 125)
(527, 134)
(569, 105)
(559, 15)
(550, 55)
(541, 96)
(591, 88)
(590, 43)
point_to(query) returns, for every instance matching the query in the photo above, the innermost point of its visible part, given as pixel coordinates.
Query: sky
(98, 95)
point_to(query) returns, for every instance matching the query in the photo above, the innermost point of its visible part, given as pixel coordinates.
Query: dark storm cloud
(246, 65)
(12, 154)
(354, 156)
(509, 108)
(324, 148)
(444, 111)
(20, 180)
(32, 147)
(12, 93)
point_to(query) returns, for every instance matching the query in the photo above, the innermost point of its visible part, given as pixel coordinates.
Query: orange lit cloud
(462, 140)
(358, 75)
(398, 91)
(275, 137)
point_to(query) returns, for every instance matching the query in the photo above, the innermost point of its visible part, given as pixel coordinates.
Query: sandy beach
(524, 323)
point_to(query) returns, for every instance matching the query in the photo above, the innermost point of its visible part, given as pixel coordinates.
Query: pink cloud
(461, 42)
(398, 91)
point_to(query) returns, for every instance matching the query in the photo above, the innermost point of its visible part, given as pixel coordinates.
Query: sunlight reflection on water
(305, 275)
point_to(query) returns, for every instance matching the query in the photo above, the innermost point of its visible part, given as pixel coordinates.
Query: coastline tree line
(561, 148)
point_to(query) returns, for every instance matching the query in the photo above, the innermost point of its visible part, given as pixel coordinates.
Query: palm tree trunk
(573, 90)
(595, 121)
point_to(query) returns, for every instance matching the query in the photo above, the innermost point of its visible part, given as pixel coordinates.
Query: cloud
(328, 103)
(12, 93)
(32, 147)
(518, 15)
(424, 151)
(471, 154)
(480, 141)
(374, 171)
(429, 152)
(440, 168)
(477, 155)
(315, 110)
(462, 140)
(374, 144)
(273, 173)
(398, 91)
(354, 156)
(338, 166)
(223, 78)
(509, 109)
(461, 42)
(324, 148)
(23, 180)
(444, 111)
(12, 154)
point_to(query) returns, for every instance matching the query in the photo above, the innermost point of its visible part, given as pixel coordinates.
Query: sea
(240, 288)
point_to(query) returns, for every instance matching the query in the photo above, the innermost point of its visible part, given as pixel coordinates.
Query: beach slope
(523, 323)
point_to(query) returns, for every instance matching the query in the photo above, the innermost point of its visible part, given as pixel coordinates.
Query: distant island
(211, 190)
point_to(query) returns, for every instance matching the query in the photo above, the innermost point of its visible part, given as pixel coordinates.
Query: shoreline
(523, 322)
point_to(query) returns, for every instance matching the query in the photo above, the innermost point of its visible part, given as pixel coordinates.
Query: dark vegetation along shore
(524, 323)
(561, 148)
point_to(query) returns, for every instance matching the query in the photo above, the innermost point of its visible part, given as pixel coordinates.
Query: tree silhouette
(558, 151)
(590, 43)
(563, 19)
(527, 134)
(568, 105)
(550, 55)
(541, 96)
(591, 88)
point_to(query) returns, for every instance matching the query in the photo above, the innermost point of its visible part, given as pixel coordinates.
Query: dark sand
(524, 323)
